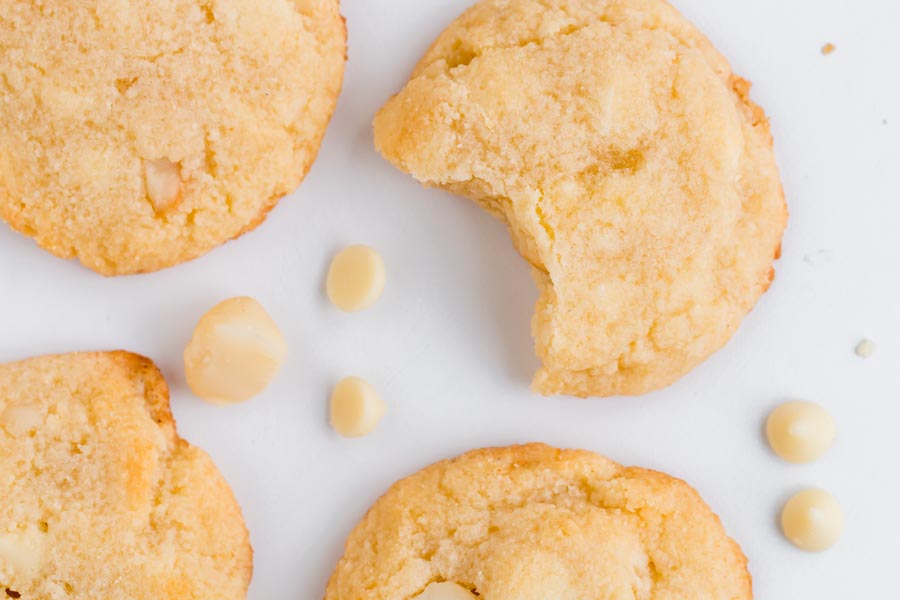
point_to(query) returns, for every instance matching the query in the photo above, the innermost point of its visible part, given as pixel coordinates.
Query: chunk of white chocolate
(21, 419)
(445, 590)
(799, 431)
(356, 408)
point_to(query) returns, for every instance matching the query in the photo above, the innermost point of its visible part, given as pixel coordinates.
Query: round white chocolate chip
(236, 350)
(163, 183)
(355, 278)
(445, 590)
(356, 408)
(21, 419)
(812, 520)
(22, 551)
(800, 432)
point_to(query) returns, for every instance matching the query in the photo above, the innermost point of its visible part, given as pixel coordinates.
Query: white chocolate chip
(163, 183)
(445, 590)
(22, 418)
(236, 350)
(800, 432)
(22, 552)
(356, 278)
(812, 520)
(356, 408)
(865, 348)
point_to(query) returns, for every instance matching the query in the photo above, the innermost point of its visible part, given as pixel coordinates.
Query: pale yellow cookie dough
(135, 136)
(536, 522)
(634, 171)
(100, 498)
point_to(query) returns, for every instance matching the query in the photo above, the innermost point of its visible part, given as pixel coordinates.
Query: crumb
(865, 348)
(828, 49)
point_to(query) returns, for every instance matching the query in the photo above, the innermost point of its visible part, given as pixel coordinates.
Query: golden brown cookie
(536, 522)
(100, 498)
(138, 136)
(635, 174)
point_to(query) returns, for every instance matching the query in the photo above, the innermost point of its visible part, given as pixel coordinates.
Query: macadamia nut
(236, 350)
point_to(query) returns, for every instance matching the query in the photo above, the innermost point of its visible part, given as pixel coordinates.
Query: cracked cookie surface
(99, 497)
(138, 136)
(536, 522)
(633, 170)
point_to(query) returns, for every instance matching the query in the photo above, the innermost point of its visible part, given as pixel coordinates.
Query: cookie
(101, 498)
(536, 522)
(633, 170)
(138, 136)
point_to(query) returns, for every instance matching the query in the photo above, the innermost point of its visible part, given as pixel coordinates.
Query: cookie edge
(108, 268)
(137, 367)
(538, 452)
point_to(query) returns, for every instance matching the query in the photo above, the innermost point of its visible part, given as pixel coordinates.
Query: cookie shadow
(323, 554)
(502, 290)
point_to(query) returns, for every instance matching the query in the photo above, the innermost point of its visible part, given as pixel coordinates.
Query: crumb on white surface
(865, 348)
(828, 49)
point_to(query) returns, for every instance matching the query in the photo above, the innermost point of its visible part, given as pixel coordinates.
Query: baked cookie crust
(537, 522)
(136, 137)
(633, 170)
(100, 498)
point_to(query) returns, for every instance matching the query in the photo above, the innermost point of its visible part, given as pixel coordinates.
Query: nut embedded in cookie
(163, 183)
(21, 419)
(445, 590)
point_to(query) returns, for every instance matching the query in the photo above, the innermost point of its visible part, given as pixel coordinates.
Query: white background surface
(449, 348)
